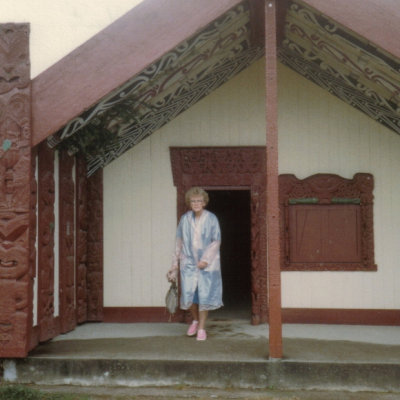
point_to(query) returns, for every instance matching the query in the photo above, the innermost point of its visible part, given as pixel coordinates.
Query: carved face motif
(13, 248)
(12, 320)
(14, 57)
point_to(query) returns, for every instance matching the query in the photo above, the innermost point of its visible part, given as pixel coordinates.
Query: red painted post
(275, 312)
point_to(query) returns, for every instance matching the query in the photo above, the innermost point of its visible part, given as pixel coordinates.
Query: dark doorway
(232, 207)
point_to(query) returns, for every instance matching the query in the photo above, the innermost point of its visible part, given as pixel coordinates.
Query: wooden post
(16, 278)
(274, 282)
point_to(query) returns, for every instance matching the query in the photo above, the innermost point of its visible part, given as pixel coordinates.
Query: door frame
(231, 167)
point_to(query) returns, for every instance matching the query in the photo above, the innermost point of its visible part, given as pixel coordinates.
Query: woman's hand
(172, 274)
(202, 265)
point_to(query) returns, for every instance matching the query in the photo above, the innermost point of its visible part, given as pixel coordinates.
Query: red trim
(340, 316)
(137, 314)
(327, 316)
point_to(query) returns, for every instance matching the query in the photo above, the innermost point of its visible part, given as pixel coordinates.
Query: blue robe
(199, 242)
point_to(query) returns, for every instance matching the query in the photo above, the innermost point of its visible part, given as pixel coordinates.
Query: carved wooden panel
(15, 190)
(219, 167)
(46, 243)
(67, 243)
(95, 247)
(14, 57)
(335, 191)
(81, 239)
(330, 233)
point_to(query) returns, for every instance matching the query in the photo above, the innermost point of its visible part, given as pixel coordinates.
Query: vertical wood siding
(317, 133)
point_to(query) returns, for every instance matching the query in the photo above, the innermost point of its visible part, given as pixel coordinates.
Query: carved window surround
(227, 168)
(334, 191)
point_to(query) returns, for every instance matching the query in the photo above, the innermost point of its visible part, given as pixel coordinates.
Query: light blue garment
(201, 247)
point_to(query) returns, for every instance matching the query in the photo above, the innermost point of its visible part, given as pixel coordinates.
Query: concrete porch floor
(235, 354)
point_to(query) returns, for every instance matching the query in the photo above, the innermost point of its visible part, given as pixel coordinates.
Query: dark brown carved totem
(95, 247)
(81, 239)
(67, 243)
(46, 243)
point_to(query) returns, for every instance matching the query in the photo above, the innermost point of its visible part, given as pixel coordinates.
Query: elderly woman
(198, 239)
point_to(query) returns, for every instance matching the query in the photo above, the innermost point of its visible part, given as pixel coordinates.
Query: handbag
(171, 299)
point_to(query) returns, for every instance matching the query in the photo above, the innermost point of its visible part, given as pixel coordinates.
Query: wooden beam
(257, 26)
(113, 56)
(281, 10)
(274, 283)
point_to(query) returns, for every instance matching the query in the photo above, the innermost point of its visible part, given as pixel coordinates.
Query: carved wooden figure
(81, 239)
(67, 243)
(95, 247)
(15, 189)
(46, 255)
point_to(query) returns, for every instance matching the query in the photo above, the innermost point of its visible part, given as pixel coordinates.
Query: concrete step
(224, 360)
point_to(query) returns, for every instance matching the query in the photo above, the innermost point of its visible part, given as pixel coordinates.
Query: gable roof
(113, 56)
(169, 54)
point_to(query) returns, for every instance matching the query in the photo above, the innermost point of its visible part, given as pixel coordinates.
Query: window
(326, 223)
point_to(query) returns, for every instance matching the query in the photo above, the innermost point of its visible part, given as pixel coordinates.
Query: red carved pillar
(81, 239)
(67, 242)
(273, 248)
(95, 247)
(15, 191)
(46, 224)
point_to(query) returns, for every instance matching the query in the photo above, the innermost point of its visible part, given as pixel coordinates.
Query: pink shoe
(201, 334)
(193, 328)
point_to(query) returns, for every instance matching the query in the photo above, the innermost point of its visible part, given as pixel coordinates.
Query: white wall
(317, 133)
(59, 26)
(320, 133)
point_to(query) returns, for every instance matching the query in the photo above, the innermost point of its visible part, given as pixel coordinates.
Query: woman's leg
(203, 318)
(194, 309)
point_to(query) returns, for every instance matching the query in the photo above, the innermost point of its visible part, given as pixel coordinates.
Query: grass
(20, 392)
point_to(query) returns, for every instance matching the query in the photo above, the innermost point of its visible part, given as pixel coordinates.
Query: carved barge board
(81, 239)
(226, 168)
(95, 247)
(15, 191)
(46, 199)
(67, 243)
